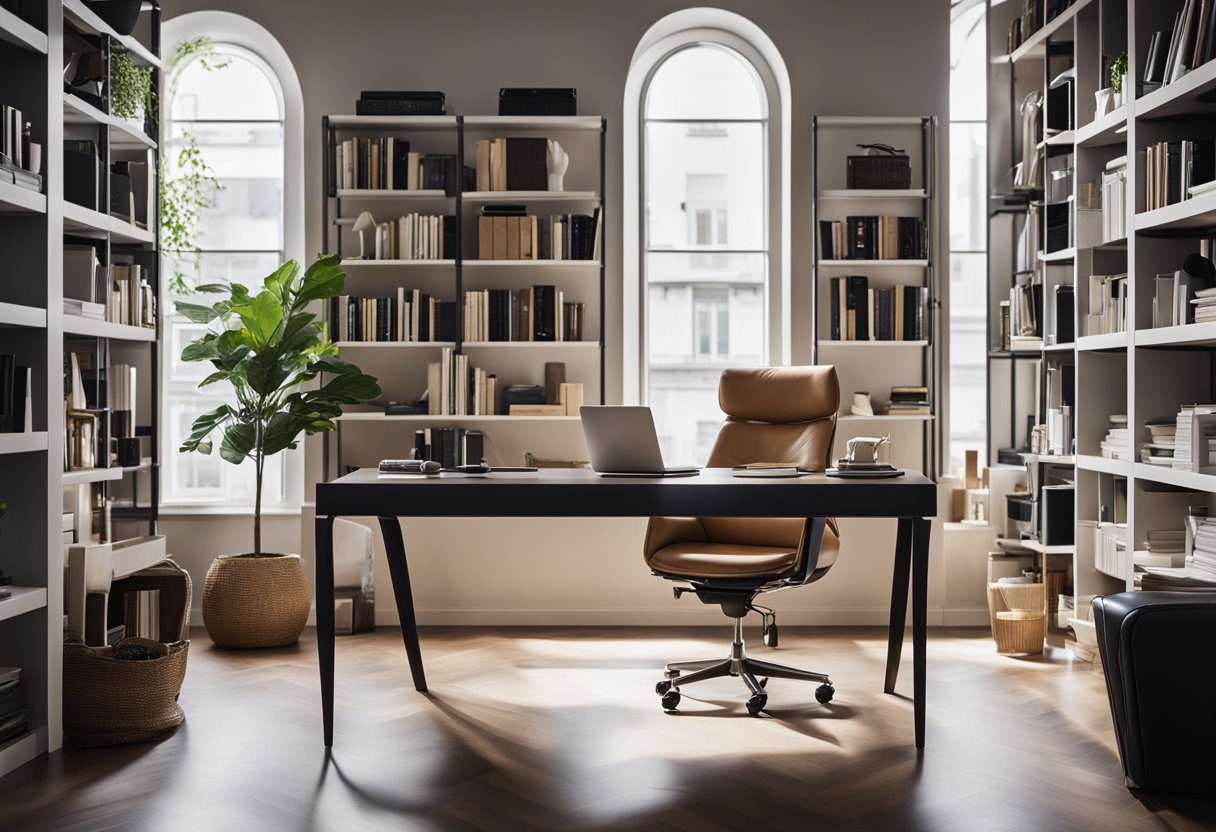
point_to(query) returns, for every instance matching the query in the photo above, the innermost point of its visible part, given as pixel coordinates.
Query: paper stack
(1117, 444)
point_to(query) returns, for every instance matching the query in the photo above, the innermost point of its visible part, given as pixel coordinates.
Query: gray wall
(860, 57)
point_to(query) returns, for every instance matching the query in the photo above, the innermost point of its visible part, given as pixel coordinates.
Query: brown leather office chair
(777, 415)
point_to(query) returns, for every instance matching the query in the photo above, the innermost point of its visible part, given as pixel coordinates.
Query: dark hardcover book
(505, 209)
(884, 302)
(545, 315)
(364, 159)
(871, 238)
(420, 450)
(424, 317)
(825, 240)
(857, 238)
(527, 167)
(858, 304)
(910, 299)
(401, 164)
(8, 381)
(81, 173)
(449, 237)
(448, 317)
(474, 445)
(22, 381)
(1203, 161)
(922, 309)
(1173, 172)
(1207, 49)
(834, 309)
(383, 320)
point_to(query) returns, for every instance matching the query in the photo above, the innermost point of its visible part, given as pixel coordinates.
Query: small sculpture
(557, 161)
(364, 222)
(862, 406)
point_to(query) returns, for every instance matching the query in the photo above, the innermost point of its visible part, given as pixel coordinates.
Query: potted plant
(268, 347)
(131, 95)
(1118, 80)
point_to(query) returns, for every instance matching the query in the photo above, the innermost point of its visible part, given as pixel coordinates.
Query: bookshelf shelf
(86, 222)
(1111, 129)
(412, 123)
(1104, 465)
(124, 134)
(886, 417)
(424, 345)
(15, 31)
(861, 193)
(1065, 138)
(23, 443)
(13, 314)
(15, 199)
(1170, 476)
(1064, 255)
(79, 15)
(1059, 348)
(382, 417)
(1190, 335)
(1189, 95)
(826, 344)
(1035, 46)
(1106, 342)
(387, 193)
(1036, 546)
(356, 263)
(542, 345)
(24, 599)
(1050, 459)
(488, 123)
(873, 264)
(93, 328)
(1195, 214)
(530, 196)
(588, 265)
(80, 476)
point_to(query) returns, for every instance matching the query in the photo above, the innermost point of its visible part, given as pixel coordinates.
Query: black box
(1056, 515)
(522, 394)
(401, 103)
(1065, 303)
(537, 101)
(81, 173)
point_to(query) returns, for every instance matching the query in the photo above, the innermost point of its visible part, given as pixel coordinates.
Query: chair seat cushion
(703, 559)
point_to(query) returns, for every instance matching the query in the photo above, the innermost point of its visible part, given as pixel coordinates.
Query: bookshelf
(1137, 369)
(365, 436)
(34, 229)
(868, 364)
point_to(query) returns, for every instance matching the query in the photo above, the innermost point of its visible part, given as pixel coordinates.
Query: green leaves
(268, 347)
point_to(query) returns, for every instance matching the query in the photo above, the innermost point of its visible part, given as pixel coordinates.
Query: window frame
(242, 33)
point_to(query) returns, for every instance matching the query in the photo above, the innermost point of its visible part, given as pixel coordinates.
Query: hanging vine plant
(131, 94)
(189, 190)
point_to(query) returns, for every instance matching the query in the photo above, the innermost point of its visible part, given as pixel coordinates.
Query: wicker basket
(251, 602)
(107, 701)
(1018, 620)
(884, 170)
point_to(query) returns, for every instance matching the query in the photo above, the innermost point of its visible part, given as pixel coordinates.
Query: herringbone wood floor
(560, 729)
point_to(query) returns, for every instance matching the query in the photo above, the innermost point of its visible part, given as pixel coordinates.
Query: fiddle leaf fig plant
(267, 346)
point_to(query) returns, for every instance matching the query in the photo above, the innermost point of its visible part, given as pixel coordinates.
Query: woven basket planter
(108, 701)
(253, 601)
(1018, 621)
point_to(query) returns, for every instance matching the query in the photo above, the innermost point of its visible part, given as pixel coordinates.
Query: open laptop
(622, 442)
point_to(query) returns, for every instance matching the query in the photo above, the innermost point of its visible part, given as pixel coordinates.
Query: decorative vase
(120, 15)
(1102, 102)
(255, 601)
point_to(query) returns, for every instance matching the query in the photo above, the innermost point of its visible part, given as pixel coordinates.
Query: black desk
(579, 493)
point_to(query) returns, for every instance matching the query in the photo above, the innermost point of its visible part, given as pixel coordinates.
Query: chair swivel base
(738, 664)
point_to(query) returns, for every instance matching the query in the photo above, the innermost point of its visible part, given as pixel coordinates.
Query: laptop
(622, 442)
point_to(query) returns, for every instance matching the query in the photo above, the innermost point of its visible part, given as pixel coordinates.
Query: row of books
(1107, 304)
(386, 163)
(1114, 200)
(16, 396)
(910, 400)
(1117, 442)
(15, 162)
(1195, 439)
(413, 315)
(120, 294)
(861, 313)
(456, 388)
(513, 164)
(508, 232)
(1172, 168)
(1183, 559)
(416, 237)
(451, 447)
(14, 720)
(535, 313)
(1188, 44)
(873, 238)
(1181, 298)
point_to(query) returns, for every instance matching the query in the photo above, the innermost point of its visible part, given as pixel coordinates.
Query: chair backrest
(779, 415)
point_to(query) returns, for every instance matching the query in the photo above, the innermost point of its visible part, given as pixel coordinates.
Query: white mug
(35, 160)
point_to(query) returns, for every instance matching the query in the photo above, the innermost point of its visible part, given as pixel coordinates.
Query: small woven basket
(880, 170)
(1018, 620)
(108, 701)
(251, 602)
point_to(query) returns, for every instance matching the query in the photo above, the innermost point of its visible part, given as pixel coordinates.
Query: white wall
(859, 58)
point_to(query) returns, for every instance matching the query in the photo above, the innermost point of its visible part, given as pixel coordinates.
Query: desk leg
(325, 620)
(920, 611)
(899, 601)
(394, 547)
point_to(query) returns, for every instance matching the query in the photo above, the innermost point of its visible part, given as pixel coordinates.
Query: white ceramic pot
(1102, 102)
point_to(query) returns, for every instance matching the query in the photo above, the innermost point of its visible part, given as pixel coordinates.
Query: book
(873, 238)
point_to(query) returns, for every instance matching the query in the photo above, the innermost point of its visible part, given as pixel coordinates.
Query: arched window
(233, 107)
(710, 285)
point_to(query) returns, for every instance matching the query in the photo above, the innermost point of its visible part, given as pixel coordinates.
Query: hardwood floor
(558, 729)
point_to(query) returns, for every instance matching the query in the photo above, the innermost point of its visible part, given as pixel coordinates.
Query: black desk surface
(581, 493)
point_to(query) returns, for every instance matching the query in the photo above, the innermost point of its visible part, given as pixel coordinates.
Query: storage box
(881, 171)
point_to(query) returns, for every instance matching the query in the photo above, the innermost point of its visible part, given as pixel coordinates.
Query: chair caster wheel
(769, 634)
(824, 693)
(756, 704)
(662, 687)
(671, 700)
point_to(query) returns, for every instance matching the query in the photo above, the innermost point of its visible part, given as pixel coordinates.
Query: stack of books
(1171, 168)
(1163, 547)
(449, 447)
(860, 313)
(1205, 305)
(411, 316)
(454, 388)
(416, 237)
(14, 720)
(383, 163)
(535, 313)
(873, 238)
(509, 232)
(1116, 444)
(513, 164)
(1159, 449)
(910, 401)
(1196, 425)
